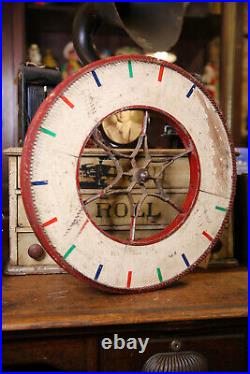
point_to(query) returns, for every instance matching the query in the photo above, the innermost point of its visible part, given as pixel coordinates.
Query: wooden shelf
(59, 301)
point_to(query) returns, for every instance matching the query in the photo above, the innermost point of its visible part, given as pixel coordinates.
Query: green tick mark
(159, 274)
(48, 132)
(130, 69)
(220, 208)
(69, 251)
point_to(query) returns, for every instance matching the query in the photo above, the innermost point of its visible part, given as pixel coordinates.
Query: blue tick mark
(39, 183)
(185, 260)
(97, 274)
(96, 78)
(190, 91)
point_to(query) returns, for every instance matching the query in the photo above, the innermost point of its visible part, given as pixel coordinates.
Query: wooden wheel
(58, 212)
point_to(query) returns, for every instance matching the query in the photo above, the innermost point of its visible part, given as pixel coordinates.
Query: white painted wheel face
(50, 161)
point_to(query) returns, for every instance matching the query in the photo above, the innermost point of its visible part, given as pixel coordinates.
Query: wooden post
(231, 66)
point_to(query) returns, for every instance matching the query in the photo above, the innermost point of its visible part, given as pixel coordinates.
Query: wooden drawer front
(50, 354)
(113, 212)
(222, 352)
(84, 353)
(96, 171)
(22, 220)
(177, 175)
(24, 241)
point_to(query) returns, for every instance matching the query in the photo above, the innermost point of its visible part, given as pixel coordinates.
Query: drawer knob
(176, 361)
(36, 252)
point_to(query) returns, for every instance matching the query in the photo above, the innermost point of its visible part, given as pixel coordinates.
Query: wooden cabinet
(55, 322)
(111, 214)
(220, 343)
(21, 235)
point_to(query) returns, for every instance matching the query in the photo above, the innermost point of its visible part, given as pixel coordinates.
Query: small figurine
(49, 60)
(72, 64)
(35, 57)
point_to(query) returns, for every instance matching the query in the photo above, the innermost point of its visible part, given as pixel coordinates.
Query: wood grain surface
(58, 301)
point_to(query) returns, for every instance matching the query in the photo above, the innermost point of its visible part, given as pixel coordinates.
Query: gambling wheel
(79, 112)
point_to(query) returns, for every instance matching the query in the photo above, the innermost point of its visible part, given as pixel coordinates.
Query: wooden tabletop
(57, 301)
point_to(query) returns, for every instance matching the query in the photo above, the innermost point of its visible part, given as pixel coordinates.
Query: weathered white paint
(53, 160)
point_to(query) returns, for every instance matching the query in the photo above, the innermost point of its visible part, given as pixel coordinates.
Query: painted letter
(150, 212)
(103, 207)
(123, 211)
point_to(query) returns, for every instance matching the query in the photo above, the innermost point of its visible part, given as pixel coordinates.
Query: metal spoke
(135, 211)
(108, 191)
(171, 161)
(105, 190)
(142, 135)
(167, 200)
(173, 205)
(148, 157)
(98, 139)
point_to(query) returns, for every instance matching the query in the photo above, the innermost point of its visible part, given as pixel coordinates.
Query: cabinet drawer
(22, 220)
(24, 241)
(49, 354)
(225, 352)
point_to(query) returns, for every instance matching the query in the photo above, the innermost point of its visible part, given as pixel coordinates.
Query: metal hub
(141, 176)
